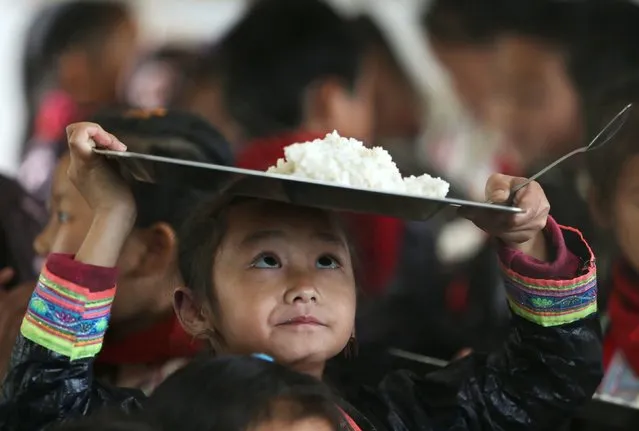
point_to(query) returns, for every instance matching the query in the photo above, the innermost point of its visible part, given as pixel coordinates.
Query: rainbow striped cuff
(552, 302)
(67, 318)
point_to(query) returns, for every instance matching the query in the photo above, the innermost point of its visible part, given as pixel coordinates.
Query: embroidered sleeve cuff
(94, 278)
(559, 296)
(66, 317)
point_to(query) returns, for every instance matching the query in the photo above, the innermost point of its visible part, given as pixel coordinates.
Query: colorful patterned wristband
(66, 318)
(552, 302)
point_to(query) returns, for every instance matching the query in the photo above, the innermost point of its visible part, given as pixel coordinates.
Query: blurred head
(296, 64)
(242, 394)
(397, 106)
(551, 68)
(537, 107)
(461, 33)
(147, 266)
(81, 47)
(158, 77)
(614, 174)
(201, 94)
(268, 277)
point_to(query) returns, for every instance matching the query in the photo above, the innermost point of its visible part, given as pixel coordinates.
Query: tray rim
(249, 172)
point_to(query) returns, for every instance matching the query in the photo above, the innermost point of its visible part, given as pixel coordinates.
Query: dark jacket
(536, 381)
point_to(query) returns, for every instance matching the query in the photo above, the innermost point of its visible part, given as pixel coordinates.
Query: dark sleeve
(51, 371)
(548, 367)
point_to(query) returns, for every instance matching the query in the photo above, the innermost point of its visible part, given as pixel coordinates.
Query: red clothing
(377, 239)
(623, 312)
(57, 110)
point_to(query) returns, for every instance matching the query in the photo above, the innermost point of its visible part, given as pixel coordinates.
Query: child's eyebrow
(331, 238)
(262, 235)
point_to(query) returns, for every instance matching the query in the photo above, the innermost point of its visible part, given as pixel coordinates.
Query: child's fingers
(83, 137)
(498, 187)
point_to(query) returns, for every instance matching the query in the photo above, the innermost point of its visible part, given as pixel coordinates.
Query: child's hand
(521, 231)
(103, 189)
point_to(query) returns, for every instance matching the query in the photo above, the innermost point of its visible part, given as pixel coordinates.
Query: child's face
(69, 222)
(536, 106)
(471, 72)
(69, 216)
(350, 111)
(398, 108)
(284, 285)
(625, 221)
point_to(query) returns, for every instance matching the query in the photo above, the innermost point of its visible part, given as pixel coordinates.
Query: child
(65, 78)
(294, 70)
(144, 342)
(270, 277)
(546, 76)
(547, 81)
(615, 178)
(241, 394)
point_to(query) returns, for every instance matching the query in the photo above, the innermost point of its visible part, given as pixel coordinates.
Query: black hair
(275, 53)
(605, 164)
(234, 393)
(109, 420)
(171, 134)
(468, 22)
(58, 28)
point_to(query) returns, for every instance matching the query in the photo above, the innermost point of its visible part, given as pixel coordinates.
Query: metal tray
(284, 188)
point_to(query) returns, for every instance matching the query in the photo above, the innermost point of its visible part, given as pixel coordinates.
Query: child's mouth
(303, 320)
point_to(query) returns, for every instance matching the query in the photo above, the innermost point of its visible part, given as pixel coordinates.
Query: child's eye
(327, 262)
(62, 216)
(266, 261)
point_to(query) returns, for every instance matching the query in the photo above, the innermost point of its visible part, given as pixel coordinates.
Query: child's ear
(600, 215)
(160, 243)
(193, 317)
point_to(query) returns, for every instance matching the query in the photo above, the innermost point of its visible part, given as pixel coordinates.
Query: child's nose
(42, 243)
(302, 294)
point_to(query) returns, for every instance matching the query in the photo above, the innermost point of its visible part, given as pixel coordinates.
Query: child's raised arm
(551, 362)
(110, 198)
(51, 371)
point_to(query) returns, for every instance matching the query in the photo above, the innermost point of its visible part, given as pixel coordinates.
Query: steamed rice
(347, 162)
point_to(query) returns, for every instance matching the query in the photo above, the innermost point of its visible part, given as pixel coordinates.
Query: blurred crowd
(530, 80)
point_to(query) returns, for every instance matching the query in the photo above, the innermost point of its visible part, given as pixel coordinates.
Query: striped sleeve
(67, 318)
(550, 300)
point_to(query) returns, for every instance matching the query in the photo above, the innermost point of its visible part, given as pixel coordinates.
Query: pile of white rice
(348, 162)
